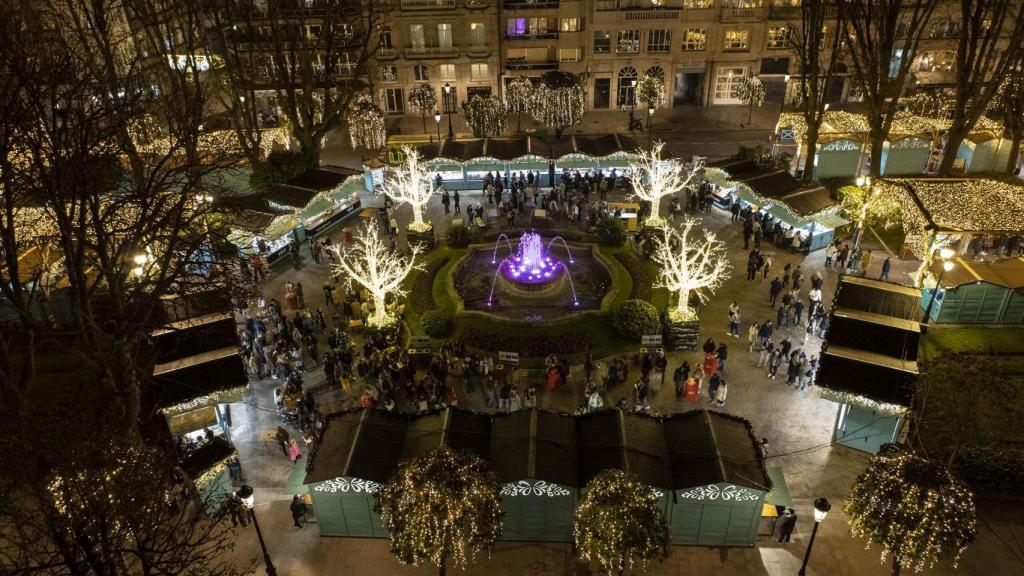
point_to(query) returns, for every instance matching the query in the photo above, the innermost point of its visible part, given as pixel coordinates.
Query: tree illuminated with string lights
(372, 264)
(913, 508)
(689, 263)
(653, 178)
(409, 183)
(442, 508)
(618, 522)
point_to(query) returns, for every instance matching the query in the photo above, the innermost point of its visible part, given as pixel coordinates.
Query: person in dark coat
(784, 526)
(298, 509)
(723, 355)
(774, 290)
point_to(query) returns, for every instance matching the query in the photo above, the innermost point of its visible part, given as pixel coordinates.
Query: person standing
(445, 200)
(294, 452)
(734, 320)
(766, 266)
(722, 354)
(298, 510)
(713, 385)
(774, 290)
(723, 391)
(830, 253)
(798, 310)
(752, 336)
(886, 266)
(256, 263)
(785, 525)
(282, 438)
(456, 197)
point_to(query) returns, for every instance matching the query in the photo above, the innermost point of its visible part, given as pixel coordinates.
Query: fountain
(533, 279)
(532, 267)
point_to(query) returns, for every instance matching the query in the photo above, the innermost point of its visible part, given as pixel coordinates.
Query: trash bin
(347, 234)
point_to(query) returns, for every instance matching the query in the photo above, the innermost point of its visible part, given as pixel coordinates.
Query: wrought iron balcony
(527, 5)
(432, 52)
(478, 51)
(524, 64)
(387, 54)
(429, 4)
(536, 36)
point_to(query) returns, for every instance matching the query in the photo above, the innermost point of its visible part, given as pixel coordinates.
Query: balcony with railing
(730, 14)
(478, 51)
(521, 63)
(387, 54)
(548, 35)
(477, 4)
(432, 52)
(528, 5)
(784, 10)
(423, 5)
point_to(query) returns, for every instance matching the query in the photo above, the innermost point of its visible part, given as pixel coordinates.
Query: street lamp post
(785, 88)
(245, 494)
(650, 118)
(821, 508)
(437, 120)
(947, 264)
(448, 106)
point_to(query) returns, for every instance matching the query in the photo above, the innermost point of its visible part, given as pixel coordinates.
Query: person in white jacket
(723, 391)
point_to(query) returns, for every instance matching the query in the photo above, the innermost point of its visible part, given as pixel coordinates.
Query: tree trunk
(954, 138)
(895, 565)
(750, 112)
(558, 133)
(877, 140)
(812, 151)
(423, 116)
(1015, 135)
(442, 567)
(519, 122)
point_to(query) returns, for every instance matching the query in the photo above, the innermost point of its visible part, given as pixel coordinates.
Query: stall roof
(201, 459)
(887, 298)
(876, 376)
(506, 148)
(364, 444)
(681, 451)
(556, 148)
(290, 195)
(809, 201)
(597, 145)
(880, 319)
(194, 336)
(199, 375)
(961, 204)
(430, 150)
(711, 447)
(626, 144)
(1008, 273)
(462, 150)
(320, 179)
(773, 184)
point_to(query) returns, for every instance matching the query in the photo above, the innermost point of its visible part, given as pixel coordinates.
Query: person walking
(785, 525)
(752, 336)
(723, 391)
(713, 383)
(722, 354)
(298, 510)
(294, 452)
(830, 253)
(734, 320)
(282, 438)
(775, 288)
(766, 266)
(766, 353)
(886, 266)
(798, 310)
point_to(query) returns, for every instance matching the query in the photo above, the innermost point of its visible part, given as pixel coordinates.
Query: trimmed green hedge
(641, 280)
(421, 297)
(529, 344)
(995, 472)
(437, 323)
(636, 318)
(611, 232)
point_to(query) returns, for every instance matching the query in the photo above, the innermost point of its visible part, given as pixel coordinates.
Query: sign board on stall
(510, 358)
(419, 345)
(650, 340)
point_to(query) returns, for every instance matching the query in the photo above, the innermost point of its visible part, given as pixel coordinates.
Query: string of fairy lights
(916, 510)
(618, 522)
(443, 508)
(485, 116)
(855, 125)
(366, 123)
(559, 104)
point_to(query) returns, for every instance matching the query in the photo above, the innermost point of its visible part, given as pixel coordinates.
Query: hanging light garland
(687, 264)
(366, 123)
(750, 90)
(441, 508)
(854, 125)
(619, 522)
(485, 116)
(650, 91)
(914, 509)
(558, 101)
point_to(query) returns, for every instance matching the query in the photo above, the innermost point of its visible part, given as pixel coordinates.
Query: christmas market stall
(978, 292)
(868, 363)
(197, 375)
(712, 491)
(907, 156)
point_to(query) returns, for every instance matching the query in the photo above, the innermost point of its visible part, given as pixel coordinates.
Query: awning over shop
(288, 195)
(203, 458)
(831, 221)
(1008, 273)
(194, 336)
(463, 150)
(196, 376)
(809, 201)
(597, 145)
(506, 148)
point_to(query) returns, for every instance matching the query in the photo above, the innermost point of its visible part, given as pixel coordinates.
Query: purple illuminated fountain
(532, 267)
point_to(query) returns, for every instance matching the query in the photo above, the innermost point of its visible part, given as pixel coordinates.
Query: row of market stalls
(463, 164)
(811, 210)
(915, 145)
(706, 467)
(304, 206)
(198, 373)
(869, 360)
(986, 285)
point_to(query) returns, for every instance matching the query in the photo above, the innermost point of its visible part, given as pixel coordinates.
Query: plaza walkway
(798, 425)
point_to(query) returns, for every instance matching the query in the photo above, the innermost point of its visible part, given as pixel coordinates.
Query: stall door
(865, 429)
(716, 515)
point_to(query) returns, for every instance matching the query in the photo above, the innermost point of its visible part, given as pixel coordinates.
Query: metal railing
(536, 36)
(478, 51)
(633, 15)
(387, 54)
(429, 4)
(524, 64)
(431, 52)
(521, 5)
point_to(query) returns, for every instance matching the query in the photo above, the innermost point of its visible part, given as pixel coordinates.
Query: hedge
(997, 472)
(636, 318)
(437, 323)
(529, 345)
(642, 285)
(421, 297)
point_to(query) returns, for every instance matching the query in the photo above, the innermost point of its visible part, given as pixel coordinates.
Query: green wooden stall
(906, 156)
(839, 158)
(979, 293)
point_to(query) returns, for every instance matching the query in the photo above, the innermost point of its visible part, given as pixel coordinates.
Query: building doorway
(688, 88)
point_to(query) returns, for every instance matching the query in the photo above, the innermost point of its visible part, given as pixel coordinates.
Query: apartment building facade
(699, 48)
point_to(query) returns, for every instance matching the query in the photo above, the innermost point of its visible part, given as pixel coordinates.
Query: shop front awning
(206, 456)
(779, 210)
(831, 221)
(197, 376)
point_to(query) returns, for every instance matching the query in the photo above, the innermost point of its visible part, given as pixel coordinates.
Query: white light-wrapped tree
(410, 184)
(423, 100)
(518, 98)
(689, 263)
(366, 123)
(371, 264)
(750, 91)
(654, 178)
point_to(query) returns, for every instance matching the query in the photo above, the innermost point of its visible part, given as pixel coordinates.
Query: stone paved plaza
(798, 425)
